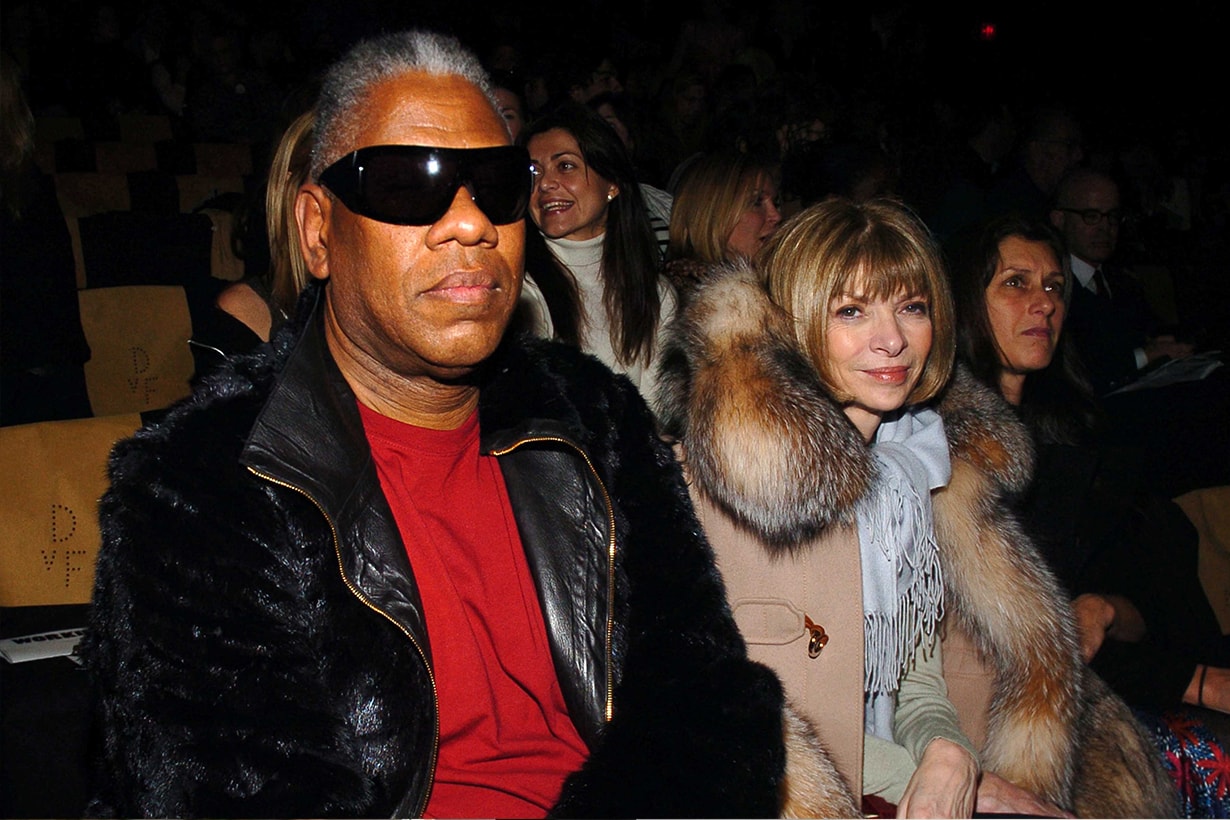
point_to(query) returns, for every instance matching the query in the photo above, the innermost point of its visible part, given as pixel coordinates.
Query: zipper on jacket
(609, 707)
(363, 599)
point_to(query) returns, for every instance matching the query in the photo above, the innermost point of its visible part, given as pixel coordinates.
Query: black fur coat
(256, 646)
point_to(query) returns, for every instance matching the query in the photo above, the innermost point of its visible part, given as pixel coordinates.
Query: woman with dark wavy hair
(1127, 558)
(600, 251)
(1040, 374)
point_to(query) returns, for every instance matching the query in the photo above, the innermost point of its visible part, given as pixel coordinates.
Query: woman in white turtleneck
(589, 209)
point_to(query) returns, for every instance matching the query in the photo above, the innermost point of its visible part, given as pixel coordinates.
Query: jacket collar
(309, 436)
(309, 433)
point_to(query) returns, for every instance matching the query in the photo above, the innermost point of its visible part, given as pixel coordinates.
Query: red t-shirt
(506, 740)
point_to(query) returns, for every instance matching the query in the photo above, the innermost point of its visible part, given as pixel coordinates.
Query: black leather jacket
(312, 440)
(276, 602)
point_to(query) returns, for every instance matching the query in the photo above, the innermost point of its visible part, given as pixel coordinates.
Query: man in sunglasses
(400, 564)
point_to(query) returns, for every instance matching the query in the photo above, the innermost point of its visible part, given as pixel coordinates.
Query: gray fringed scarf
(903, 586)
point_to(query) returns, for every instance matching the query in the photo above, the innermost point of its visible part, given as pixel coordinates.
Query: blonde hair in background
(878, 249)
(287, 172)
(16, 137)
(711, 197)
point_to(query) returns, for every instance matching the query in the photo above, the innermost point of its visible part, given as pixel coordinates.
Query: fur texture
(257, 643)
(731, 365)
(812, 786)
(767, 444)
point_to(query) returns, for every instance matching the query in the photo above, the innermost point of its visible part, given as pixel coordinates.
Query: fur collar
(767, 442)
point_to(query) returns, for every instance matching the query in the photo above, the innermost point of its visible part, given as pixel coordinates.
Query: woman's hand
(1094, 617)
(945, 784)
(1099, 617)
(998, 796)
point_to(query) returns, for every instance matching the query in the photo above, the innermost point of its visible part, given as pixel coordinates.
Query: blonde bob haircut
(875, 250)
(712, 195)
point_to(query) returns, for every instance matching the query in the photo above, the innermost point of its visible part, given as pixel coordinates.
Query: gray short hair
(375, 60)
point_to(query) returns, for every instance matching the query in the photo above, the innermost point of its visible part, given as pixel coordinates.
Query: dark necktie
(1099, 283)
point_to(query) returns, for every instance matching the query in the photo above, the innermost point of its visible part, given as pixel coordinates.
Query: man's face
(404, 300)
(1050, 155)
(1093, 243)
(604, 80)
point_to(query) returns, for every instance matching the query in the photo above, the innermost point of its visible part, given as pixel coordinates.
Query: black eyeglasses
(416, 184)
(1092, 216)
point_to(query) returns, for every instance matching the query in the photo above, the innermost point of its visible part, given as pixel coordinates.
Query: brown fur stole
(767, 443)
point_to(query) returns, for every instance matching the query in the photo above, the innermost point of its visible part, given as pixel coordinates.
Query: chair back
(138, 337)
(53, 474)
(1209, 511)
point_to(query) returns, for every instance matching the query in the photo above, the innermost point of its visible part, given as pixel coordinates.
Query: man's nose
(464, 222)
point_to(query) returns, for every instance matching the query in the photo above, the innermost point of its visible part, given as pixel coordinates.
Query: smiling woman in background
(588, 208)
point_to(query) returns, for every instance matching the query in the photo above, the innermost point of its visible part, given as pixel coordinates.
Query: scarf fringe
(900, 524)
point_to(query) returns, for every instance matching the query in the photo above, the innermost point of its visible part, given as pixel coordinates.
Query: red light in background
(987, 31)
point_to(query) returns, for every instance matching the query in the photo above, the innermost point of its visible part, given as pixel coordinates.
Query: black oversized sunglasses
(416, 184)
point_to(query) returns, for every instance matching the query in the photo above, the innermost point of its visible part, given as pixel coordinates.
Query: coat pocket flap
(769, 620)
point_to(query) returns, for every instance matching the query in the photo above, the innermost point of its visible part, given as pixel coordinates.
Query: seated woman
(856, 519)
(251, 311)
(595, 256)
(725, 209)
(1129, 560)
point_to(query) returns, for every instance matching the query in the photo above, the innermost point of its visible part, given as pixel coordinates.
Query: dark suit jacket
(1108, 330)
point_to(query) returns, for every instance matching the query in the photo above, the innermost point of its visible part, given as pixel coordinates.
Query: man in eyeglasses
(401, 564)
(1110, 320)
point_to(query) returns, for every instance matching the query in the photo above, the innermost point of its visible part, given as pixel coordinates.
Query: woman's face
(876, 350)
(1025, 305)
(758, 221)
(511, 110)
(570, 200)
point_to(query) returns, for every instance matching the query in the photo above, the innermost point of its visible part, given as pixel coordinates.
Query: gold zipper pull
(819, 638)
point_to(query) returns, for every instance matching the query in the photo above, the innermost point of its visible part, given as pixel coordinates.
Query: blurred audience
(42, 345)
(1054, 144)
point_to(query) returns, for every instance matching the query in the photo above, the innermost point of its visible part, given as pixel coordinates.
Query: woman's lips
(888, 375)
(554, 206)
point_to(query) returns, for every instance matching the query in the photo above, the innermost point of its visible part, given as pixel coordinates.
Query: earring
(609, 197)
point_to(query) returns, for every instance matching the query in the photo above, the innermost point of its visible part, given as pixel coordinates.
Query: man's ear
(1057, 219)
(313, 208)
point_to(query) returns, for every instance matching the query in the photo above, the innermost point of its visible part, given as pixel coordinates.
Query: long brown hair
(630, 257)
(1057, 402)
(288, 170)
